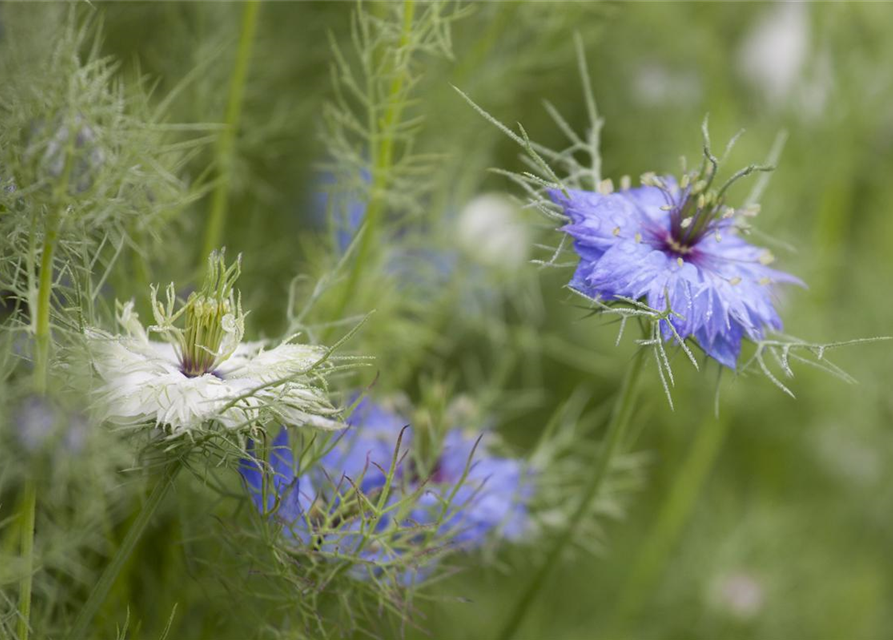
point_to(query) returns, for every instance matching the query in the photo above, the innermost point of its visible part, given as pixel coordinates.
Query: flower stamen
(214, 319)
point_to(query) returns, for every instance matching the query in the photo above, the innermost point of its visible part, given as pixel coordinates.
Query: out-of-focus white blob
(656, 85)
(492, 232)
(739, 594)
(775, 51)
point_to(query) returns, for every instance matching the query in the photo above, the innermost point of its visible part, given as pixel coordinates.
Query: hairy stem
(41, 372)
(101, 590)
(44, 298)
(382, 161)
(652, 558)
(620, 417)
(29, 507)
(226, 143)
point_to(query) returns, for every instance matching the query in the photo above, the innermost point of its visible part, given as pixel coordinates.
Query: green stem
(27, 536)
(620, 417)
(652, 558)
(41, 369)
(226, 143)
(42, 316)
(382, 161)
(101, 590)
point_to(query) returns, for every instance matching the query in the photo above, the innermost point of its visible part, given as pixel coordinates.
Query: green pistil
(213, 318)
(204, 334)
(692, 218)
(701, 207)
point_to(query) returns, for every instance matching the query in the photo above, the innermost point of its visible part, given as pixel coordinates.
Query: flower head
(345, 208)
(491, 492)
(204, 372)
(39, 421)
(465, 498)
(360, 457)
(677, 245)
(365, 450)
(290, 495)
(319, 506)
(57, 152)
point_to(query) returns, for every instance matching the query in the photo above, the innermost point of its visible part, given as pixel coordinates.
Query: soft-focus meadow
(739, 513)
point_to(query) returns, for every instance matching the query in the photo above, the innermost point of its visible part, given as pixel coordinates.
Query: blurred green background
(792, 530)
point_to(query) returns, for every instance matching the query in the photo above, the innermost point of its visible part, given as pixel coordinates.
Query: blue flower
(364, 452)
(291, 499)
(41, 423)
(289, 496)
(679, 246)
(492, 497)
(346, 209)
(361, 457)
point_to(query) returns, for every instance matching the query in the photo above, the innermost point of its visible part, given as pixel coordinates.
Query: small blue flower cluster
(469, 495)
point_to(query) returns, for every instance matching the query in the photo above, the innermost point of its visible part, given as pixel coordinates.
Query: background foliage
(798, 500)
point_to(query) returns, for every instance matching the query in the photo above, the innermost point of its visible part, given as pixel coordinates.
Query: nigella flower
(365, 450)
(289, 496)
(204, 373)
(464, 499)
(466, 490)
(345, 208)
(677, 245)
(39, 422)
(478, 492)
(360, 458)
(51, 146)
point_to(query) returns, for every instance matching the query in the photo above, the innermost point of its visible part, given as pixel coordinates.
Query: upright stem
(652, 558)
(101, 590)
(41, 369)
(382, 161)
(41, 372)
(620, 416)
(29, 504)
(226, 143)
(42, 313)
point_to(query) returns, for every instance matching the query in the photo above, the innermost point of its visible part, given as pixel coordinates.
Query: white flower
(774, 52)
(205, 374)
(491, 230)
(657, 85)
(740, 595)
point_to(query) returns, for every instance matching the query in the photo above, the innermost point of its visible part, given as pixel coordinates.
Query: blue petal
(365, 450)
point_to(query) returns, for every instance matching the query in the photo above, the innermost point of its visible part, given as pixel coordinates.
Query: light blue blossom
(364, 452)
(492, 497)
(288, 495)
(345, 208)
(467, 497)
(38, 422)
(324, 518)
(669, 244)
